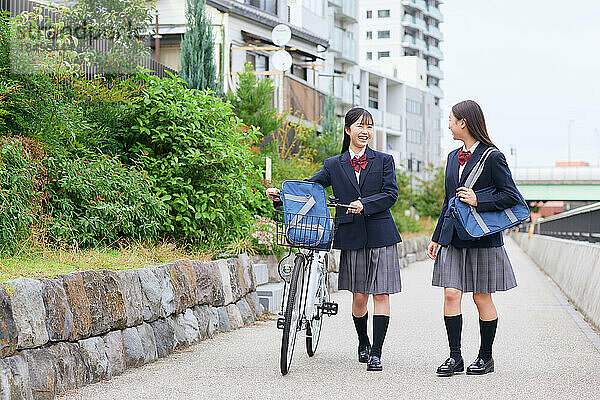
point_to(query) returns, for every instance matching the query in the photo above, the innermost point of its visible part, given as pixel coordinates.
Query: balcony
(435, 12)
(346, 10)
(413, 22)
(344, 44)
(435, 52)
(435, 71)
(269, 6)
(411, 42)
(376, 115)
(436, 91)
(434, 32)
(393, 121)
(415, 4)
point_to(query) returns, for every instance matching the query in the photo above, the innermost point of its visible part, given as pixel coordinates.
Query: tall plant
(330, 123)
(197, 49)
(252, 102)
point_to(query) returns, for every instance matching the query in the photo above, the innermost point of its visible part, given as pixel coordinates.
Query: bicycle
(306, 296)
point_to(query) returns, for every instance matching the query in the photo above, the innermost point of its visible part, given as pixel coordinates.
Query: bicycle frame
(313, 270)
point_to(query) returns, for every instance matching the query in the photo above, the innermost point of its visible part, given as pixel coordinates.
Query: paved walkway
(540, 352)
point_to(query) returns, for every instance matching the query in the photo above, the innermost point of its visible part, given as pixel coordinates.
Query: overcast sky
(532, 65)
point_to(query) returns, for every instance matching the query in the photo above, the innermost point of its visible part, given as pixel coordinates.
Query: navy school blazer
(377, 191)
(495, 173)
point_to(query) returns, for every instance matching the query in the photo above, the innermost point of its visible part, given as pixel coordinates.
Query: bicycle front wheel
(292, 314)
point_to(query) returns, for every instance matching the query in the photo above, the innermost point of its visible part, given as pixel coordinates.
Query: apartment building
(407, 121)
(401, 38)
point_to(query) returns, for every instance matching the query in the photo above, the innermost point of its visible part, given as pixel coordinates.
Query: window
(383, 34)
(369, 55)
(383, 13)
(413, 107)
(269, 6)
(258, 61)
(369, 14)
(300, 72)
(414, 136)
(414, 165)
(369, 34)
(383, 54)
(374, 104)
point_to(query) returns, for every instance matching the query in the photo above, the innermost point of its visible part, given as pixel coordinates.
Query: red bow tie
(463, 157)
(359, 163)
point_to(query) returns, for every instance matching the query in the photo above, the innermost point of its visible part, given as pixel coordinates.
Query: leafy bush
(199, 156)
(429, 200)
(93, 201)
(22, 184)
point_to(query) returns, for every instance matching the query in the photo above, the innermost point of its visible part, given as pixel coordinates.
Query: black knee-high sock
(487, 330)
(454, 330)
(380, 325)
(360, 323)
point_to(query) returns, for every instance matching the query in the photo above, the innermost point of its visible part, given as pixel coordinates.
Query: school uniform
(480, 265)
(369, 257)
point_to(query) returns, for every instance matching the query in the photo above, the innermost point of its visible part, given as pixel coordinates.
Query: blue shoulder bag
(306, 216)
(471, 224)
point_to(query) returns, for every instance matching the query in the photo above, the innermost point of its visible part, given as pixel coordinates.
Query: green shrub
(199, 157)
(93, 201)
(21, 190)
(252, 102)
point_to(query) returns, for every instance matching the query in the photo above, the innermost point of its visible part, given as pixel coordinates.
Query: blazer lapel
(453, 168)
(363, 174)
(349, 170)
(471, 163)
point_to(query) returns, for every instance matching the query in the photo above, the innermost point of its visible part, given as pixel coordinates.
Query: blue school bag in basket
(471, 224)
(306, 216)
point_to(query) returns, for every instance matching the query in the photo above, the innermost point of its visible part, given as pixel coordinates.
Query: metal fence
(16, 7)
(579, 224)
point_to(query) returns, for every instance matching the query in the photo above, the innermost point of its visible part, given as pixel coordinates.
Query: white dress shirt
(472, 150)
(352, 155)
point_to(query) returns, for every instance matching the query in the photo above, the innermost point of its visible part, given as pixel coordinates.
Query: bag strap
(478, 169)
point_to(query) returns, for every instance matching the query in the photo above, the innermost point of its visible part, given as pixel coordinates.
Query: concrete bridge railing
(573, 265)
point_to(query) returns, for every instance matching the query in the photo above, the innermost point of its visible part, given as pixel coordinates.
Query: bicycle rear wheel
(313, 327)
(292, 315)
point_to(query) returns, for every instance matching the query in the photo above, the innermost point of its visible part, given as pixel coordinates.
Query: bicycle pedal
(330, 308)
(280, 323)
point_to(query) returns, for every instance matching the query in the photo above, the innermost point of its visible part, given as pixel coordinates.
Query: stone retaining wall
(79, 328)
(574, 266)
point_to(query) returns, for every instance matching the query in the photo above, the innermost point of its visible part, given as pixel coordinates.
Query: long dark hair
(473, 116)
(352, 116)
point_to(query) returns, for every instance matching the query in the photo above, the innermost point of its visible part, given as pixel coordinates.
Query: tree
(331, 123)
(197, 49)
(428, 202)
(252, 102)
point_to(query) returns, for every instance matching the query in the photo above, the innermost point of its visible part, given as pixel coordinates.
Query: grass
(48, 262)
(37, 261)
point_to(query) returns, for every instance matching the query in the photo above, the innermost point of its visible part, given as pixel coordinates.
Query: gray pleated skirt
(477, 270)
(370, 270)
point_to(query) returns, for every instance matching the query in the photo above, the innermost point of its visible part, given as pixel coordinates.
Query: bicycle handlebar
(331, 198)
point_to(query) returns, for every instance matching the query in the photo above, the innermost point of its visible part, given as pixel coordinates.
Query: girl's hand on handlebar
(357, 207)
(273, 194)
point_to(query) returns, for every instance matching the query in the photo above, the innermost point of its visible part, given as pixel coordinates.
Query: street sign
(281, 35)
(282, 60)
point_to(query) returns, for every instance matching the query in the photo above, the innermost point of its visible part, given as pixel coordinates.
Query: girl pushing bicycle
(366, 233)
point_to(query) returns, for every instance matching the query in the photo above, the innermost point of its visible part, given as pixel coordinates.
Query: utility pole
(569, 139)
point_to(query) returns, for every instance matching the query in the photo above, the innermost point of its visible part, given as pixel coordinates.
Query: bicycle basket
(305, 221)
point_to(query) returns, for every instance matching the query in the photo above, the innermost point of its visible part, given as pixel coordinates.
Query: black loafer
(480, 367)
(363, 353)
(451, 366)
(374, 364)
